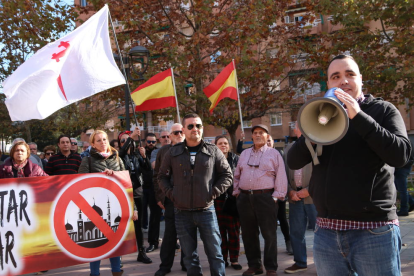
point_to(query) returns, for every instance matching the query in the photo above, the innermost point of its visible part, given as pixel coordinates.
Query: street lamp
(138, 60)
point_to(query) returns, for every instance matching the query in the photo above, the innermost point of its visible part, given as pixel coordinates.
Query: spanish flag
(223, 86)
(156, 93)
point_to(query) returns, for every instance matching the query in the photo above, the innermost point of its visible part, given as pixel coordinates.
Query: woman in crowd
(135, 161)
(19, 165)
(226, 210)
(49, 151)
(104, 158)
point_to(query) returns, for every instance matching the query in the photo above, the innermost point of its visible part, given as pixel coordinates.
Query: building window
(247, 124)
(276, 119)
(83, 3)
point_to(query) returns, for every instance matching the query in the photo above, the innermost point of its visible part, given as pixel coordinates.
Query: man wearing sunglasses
(149, 198)
(73, 145)
(192, 175)
(164, 140)
(259, 182)
(169, 240)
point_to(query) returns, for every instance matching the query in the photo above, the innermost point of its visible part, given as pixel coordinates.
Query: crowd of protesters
(348, 199)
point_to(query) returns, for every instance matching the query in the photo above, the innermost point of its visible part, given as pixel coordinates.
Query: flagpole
(125, 75)
(238, 98)
(175, 93)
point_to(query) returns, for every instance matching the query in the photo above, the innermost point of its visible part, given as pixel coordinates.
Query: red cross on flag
(70, 69)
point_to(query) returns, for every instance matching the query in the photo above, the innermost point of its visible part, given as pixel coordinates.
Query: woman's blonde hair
(92, 140)
(19, 143)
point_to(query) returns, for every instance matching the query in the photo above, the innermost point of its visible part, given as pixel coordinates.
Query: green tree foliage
(199, 38)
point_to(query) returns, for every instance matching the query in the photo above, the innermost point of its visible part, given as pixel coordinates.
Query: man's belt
(194, 210)
(254, 192)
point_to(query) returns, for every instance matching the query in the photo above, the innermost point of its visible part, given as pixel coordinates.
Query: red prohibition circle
(59, 217)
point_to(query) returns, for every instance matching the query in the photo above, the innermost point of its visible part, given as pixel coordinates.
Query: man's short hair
(32, 143)
(176, 124)
(73, 139)
(18, 140)
(150, 135)
(62, 136)
(340, 57)
(191, 115)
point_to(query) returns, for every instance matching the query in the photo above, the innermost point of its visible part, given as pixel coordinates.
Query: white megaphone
(323, 121)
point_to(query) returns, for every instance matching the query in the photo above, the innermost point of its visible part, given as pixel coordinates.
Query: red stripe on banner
(155, 79)
(159, 103)
(229, 92)
(219, 80)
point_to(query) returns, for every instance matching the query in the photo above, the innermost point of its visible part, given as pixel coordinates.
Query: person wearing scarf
(19, 165)
(104, 158)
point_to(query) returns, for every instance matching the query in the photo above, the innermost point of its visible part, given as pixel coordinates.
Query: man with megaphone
(352, 185)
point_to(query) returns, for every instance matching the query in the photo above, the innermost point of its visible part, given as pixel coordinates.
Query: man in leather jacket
(200, 173)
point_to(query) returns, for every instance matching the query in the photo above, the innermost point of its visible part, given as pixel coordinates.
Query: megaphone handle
(319, 149)
(313, 153)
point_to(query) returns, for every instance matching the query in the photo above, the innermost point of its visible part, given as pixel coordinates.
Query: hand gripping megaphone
(323, 121)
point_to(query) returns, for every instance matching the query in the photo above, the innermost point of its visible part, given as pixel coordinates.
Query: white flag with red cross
(70, 69)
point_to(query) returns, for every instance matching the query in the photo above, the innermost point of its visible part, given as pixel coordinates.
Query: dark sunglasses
(254, 165)
(123, 140)
(151, 142)
(191, 126)
(165, 136)
(74, 144)
(49, 153)
(177, 132)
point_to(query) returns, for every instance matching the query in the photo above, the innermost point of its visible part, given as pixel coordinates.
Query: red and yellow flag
(223, 86)
(156, 93)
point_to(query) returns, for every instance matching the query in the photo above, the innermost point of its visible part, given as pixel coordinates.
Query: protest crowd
(205, 190)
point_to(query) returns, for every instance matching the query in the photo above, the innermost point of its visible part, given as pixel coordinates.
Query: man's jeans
(358, 252)
(186, 223)
(299, 212)
(115, 266)
(400, 179)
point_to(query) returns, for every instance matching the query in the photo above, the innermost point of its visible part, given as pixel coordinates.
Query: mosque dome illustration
(87, 234)
(68, 227)
(97, 209)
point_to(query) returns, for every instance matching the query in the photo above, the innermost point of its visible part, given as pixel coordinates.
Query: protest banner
(58, 221)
